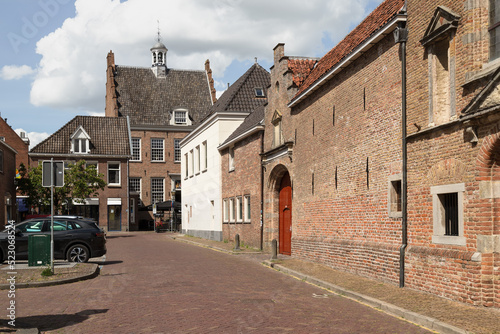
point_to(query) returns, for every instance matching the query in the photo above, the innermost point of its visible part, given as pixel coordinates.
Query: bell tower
(159, 58)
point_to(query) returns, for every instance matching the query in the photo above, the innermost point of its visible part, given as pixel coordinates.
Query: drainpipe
(401, 36)
(262, 168)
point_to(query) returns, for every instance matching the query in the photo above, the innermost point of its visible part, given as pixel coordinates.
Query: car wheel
(78, 253)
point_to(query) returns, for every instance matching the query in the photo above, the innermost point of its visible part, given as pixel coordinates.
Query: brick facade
(7, 186)
(244, 180)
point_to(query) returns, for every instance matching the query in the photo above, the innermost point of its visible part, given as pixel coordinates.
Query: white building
(201, 160)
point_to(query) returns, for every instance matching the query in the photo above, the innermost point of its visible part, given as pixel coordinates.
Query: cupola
(159, 59)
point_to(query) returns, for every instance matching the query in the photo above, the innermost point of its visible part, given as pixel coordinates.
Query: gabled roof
(443, 20)
(108, 136)
(250, 123)
(240, 96)
(370, 25)
(149, 100)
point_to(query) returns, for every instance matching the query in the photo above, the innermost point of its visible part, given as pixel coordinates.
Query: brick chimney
(208, 70)
(111, 109)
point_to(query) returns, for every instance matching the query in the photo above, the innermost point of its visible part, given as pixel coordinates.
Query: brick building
(163, 106)
(105, 143)
(20, 143)
(205, 182)
(7, 186)
(453, 150)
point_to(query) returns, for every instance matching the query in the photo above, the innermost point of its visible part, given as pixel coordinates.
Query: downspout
(401, 36)
(262, 168)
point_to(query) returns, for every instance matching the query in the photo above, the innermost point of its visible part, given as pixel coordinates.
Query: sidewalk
(430, 311)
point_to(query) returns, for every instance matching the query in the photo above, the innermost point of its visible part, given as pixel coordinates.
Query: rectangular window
(239, 209)
(135, 185)
(157, 190)
(197, 158)
(180, 117)
(226, 210)
(494, 29)
(136, 149)
(394, 200)
(113, 173)
(231, 209)
(191, 159)
(447, 203)
(186, 161)
(231, 158)
(177, 150)
(205, 156)
(248, 209)
(157, 149)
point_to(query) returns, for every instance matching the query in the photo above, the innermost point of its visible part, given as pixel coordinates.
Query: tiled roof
(108, 136)
(373, 22)
(240, 96)
(149, 100)
(301, 67)
(251, 121)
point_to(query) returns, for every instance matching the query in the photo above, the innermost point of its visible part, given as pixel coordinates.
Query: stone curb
(393, 310)
(94, 273)
(232, 252)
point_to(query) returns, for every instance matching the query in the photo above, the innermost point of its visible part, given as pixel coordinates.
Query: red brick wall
(7, 183)
(13, 140)
(245, 179)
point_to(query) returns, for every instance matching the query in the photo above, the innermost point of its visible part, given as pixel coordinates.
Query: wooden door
(285, 213)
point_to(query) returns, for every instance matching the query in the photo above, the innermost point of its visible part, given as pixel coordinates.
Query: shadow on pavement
(114, 236)
(105, 263)
(57, 321)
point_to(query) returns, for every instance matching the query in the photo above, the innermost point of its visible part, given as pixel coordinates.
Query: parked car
(75, 239)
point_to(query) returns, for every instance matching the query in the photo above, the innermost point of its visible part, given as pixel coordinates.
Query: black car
(75, 239)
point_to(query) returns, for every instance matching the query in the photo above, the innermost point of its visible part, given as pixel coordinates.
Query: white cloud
(71, 72)
(13, 72)
(34, 137)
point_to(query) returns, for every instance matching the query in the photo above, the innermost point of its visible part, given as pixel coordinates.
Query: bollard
(275, 249)
(237, 242)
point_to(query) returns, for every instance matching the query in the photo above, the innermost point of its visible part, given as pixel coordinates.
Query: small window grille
(450, 206)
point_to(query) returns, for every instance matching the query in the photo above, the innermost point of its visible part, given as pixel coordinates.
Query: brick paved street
(153, 284)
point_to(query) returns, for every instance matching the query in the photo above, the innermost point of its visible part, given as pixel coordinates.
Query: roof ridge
(243, 78)
(168, 68)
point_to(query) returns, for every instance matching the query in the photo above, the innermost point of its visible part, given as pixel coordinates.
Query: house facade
(453, 149)
(163, 105)
(105, 143)
(7, 185)
(203, 178)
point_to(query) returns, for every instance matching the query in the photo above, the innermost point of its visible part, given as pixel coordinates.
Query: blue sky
(53, 59)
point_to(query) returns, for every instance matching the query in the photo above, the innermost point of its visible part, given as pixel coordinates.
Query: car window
(76, 225)
(60, 225)
(32, 226)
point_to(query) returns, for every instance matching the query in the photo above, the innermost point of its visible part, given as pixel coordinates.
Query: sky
(53, 52)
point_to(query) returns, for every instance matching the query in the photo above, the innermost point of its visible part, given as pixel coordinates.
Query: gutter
(362, 48)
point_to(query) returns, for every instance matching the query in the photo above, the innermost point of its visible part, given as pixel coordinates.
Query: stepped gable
(371, 24)
(149, 100)
(301, 68)
(108, 136)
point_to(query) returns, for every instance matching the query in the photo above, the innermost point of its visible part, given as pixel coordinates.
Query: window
(447, 203)
(494, 29)
(197, 159)
(226, 210)
(277, 131)
(157, 190)
(205, 157)
(248, 209)
(135, 185)
(80, 141)
(231, 158)
(180, 117)
(113, 173)
(157, 149)
(80, 145)
(231, 209)
(239, 209)
(259, 92)
(186, 162)
(93, 164)
(394, 201)
(177, 150)
(136, 149)
(191, 159)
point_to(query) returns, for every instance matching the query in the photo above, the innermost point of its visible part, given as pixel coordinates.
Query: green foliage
(80, 182)
(47, 272)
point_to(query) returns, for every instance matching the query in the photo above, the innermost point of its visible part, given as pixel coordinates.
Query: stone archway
(280, 191)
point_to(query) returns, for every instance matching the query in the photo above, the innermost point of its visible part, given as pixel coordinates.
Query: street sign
(57, 172)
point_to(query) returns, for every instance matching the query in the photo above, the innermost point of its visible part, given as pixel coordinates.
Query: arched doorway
(285, 215)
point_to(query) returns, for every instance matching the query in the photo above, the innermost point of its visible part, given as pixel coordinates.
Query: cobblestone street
(150, 283)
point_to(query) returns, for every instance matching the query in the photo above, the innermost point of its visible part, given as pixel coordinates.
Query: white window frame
(205, 156)
(136, 151)
(139, 181)
(225, 209)
(186, 169)
(154, 191)
(180, 117)
(231, 158)
(191, 160)
(231, 209)
(119, 173)
(80, 141)
(177, 150)
(239, 209)
(248, 208)
(197, 159)
(155, 149)
(439, 236)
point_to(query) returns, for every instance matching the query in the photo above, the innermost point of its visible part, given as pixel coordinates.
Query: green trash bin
(38, 250)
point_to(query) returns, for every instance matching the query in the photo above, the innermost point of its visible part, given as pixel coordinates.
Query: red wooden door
(285, 208)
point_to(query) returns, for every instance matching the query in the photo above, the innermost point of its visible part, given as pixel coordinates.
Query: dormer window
(259, 92)
(80, 141)
(180, 117)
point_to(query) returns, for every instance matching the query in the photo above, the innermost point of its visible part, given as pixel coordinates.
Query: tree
(81, 181)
